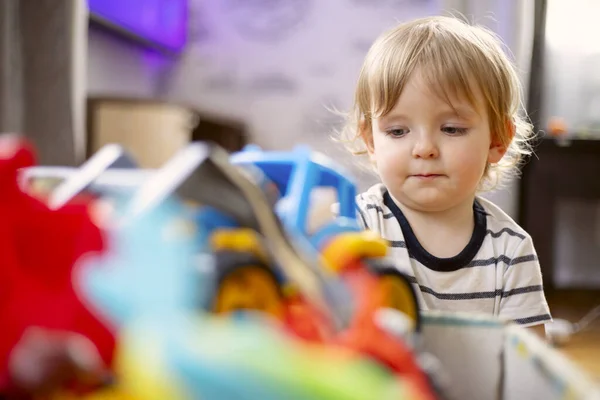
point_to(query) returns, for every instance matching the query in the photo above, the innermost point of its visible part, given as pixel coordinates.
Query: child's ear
(365, 130)
(498, 147)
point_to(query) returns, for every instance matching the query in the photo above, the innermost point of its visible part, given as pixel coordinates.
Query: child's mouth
(427, 176)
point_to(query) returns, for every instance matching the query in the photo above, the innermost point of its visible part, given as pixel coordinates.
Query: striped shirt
(497, 273)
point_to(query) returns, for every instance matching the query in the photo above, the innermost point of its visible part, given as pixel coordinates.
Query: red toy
(38, 249)
(367, 338)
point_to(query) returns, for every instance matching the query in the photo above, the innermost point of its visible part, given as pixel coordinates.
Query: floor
(584, 347)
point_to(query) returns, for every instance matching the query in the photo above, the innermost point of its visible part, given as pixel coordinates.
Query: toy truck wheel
(399, 294)
(245, 283)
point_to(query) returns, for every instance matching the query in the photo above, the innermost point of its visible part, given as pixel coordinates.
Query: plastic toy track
(397, 286)
(245, 283)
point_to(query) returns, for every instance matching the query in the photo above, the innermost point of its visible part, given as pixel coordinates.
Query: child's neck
(444, 233)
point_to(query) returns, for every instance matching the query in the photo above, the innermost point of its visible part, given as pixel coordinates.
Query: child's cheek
(470, 167)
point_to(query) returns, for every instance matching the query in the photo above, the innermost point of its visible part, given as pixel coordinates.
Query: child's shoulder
(371, 207)
(371, 197)
(498, 219)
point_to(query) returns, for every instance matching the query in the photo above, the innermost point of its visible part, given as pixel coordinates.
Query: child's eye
(396, 132)
(454, 130)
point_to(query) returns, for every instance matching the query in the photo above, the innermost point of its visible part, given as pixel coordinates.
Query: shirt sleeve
(523, 300)
(362, 212)
(366, 212)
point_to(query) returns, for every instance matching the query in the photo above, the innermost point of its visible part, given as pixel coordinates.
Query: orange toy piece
(305, 322)
(365, 337)
(358, 258)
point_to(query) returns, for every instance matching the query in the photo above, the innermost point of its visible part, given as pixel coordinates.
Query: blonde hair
(455, 58)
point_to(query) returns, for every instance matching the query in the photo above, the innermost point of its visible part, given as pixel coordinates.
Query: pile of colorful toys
(199, 280)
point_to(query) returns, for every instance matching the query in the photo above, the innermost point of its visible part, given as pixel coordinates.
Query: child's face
(430, 158)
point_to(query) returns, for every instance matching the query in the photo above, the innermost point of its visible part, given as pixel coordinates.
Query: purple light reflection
(163, 22)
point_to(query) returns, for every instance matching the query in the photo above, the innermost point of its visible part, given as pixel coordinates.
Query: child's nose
(425, 147)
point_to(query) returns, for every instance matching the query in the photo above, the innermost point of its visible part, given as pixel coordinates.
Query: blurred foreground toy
(170, 347)
(42, 319)
(155, 277)
(248, 359)
(268, 261)
(355, 257)
(340, 245)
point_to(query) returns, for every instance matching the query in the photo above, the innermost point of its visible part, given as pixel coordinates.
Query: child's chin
(432, 201)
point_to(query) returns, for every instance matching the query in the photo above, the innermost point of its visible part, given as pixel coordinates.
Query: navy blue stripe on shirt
(476, 295)
(477, 263)
(535, 318)
(379, 211)
(505, 230)
(522, 290)
(362, 217)
(502, 259)
(522, 259)
(461, 296)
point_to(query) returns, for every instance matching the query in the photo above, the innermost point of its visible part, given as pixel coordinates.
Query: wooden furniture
(570, 171)
(154, 131)
(584, 347)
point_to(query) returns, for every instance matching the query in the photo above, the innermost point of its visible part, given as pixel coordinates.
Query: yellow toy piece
(141, 373)
(153, 381)
(241, 240)
(398, 295)
(348, 247)
(396, 291)
(249, 287)
(245, 287)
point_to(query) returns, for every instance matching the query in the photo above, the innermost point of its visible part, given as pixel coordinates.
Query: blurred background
(155, 74)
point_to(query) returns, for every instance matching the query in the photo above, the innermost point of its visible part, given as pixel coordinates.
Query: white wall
(118, 67)
(276, 67)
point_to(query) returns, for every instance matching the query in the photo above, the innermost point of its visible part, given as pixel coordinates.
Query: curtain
(42, 75)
